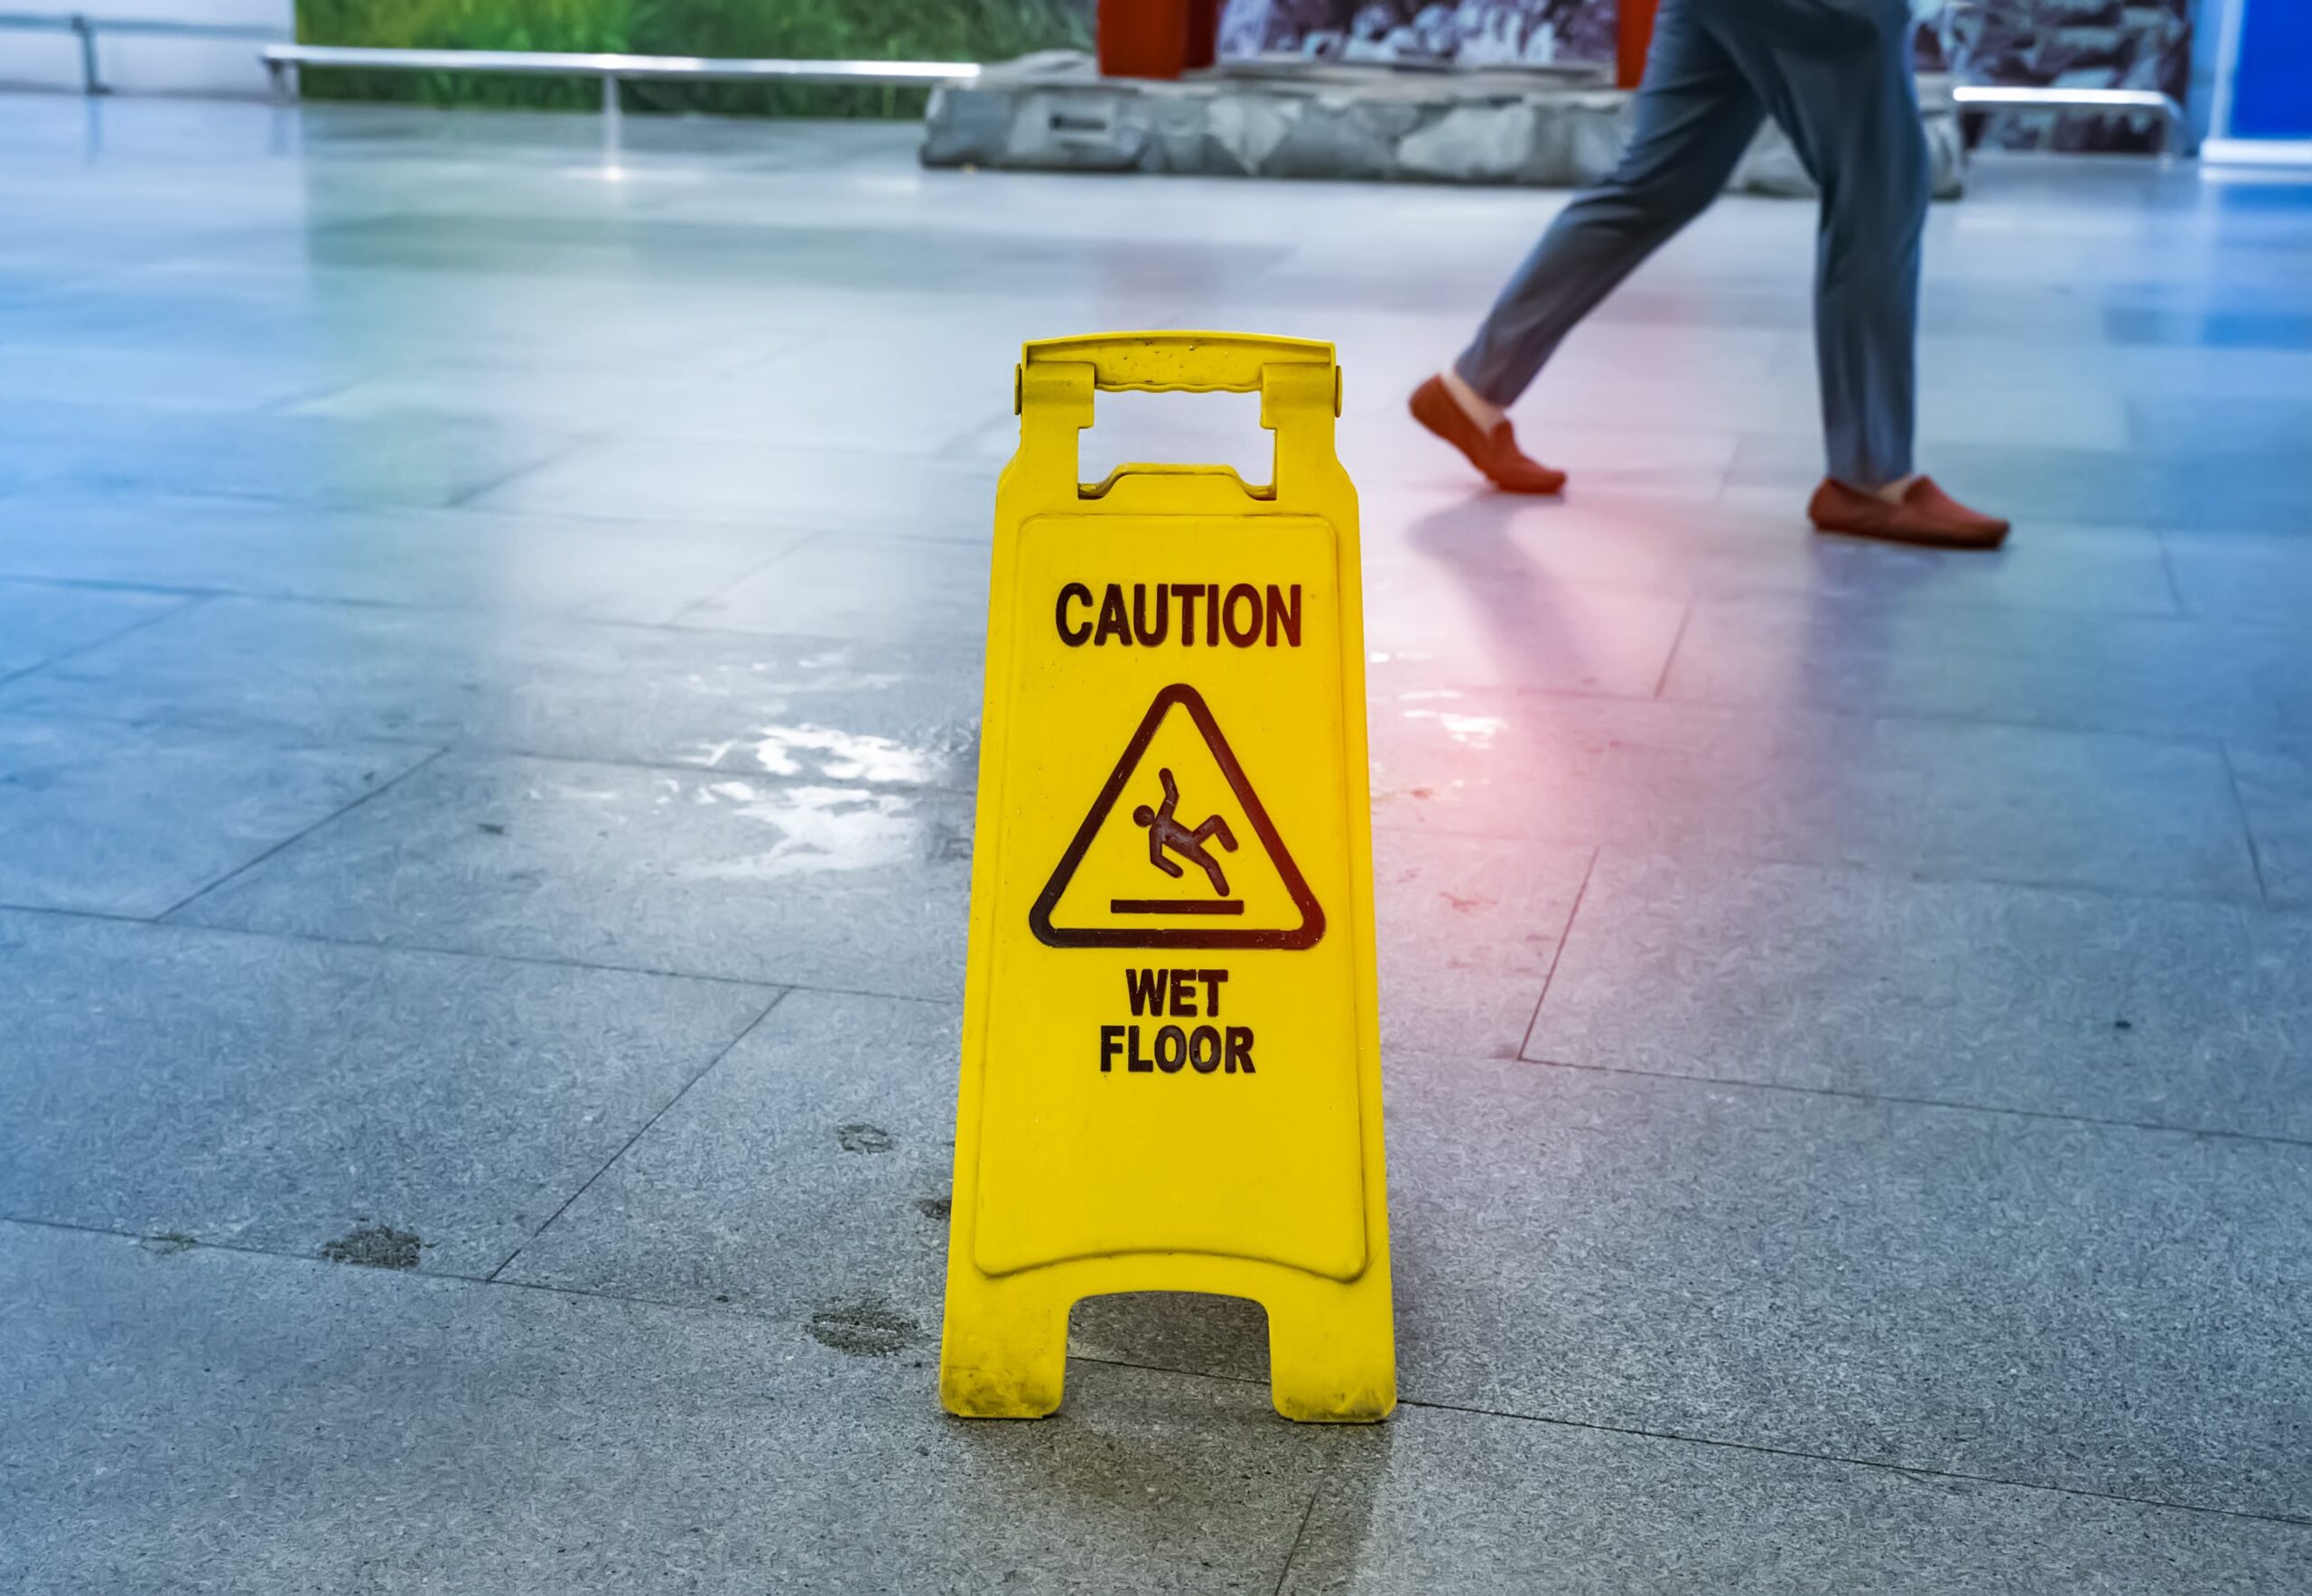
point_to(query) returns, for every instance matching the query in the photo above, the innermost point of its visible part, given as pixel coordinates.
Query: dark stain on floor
(864, 1326)
(375, 1247)
(863, 1138)
(934, 1208)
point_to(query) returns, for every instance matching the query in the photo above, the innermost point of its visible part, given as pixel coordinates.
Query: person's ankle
(1892, 493)
(1473, 404)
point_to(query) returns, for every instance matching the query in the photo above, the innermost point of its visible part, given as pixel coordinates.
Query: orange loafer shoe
(1925, 515)
(1495, 454)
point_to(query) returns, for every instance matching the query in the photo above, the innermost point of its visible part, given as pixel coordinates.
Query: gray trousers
(1836, 75)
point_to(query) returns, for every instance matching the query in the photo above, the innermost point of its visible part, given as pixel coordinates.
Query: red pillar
(1156, 38)
(1637, 32)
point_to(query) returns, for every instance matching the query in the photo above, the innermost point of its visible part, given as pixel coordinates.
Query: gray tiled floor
(433, 559)
(40, 622)
(1996, 1296)
(1741, 543)
(313, 1417)
(2152, 1012)
(108, 819)
(2244, 578)
(886, 714)
(731, 875)
(488, 701)
(277, 1094)
(1654, 1515)
(2276, 792)
(2099, 672)
(810, 1167)
(852, 584)
(1947, 798)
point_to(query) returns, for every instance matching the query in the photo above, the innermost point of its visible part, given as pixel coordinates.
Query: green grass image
(862, 30)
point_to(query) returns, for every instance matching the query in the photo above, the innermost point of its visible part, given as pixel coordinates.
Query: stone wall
(1470, 33)
(1563, 128)
(2074, 43)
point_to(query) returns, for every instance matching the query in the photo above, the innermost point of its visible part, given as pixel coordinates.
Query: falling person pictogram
(1159, 837)
(1165, 831)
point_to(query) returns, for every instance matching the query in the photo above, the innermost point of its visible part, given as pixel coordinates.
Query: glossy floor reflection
(489, 690)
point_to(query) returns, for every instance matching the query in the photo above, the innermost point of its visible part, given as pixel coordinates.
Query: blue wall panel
(2271, 79)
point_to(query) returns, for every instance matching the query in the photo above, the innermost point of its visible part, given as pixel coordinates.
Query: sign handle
(1297, 380)
(1179, 362)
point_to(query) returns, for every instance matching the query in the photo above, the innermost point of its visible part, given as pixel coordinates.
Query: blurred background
(2074, 43)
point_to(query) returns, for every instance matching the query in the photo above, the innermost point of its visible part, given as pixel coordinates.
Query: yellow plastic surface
(1170, 1059)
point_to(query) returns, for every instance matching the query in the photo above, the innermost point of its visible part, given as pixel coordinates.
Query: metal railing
(2176, 136)
(87, 28)
(281, 61)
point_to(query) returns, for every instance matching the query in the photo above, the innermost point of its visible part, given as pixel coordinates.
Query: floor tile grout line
(106, 916)
(948, 642)
(280, 1255)
(186, 602)
(1861, 715)
(1284, 1574)
(1558, 952)
(1669, 660)
(565, 1289)
(789, 986)
(1912, 1469)
(283, 736)
(182, 589)
(690, 518)
(441, 950)
(1897, 874)
(1876, 715)
(1856, 713)
(572, 442)
(436, 950)
(640, 1131)
(343, 810)
(1732, 857)
(2167, 568)
(2247, 824)
(2273, 911)
(1404, 1402)
(289, 404)
(1696, 594)
(738, 521)
(237, 1248)
(960, 641)
(1854, 603)
(956, 642)
(674, 623)
(2150, 1127)
(1684, 1440)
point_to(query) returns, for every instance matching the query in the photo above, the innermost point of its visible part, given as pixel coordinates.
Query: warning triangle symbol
(1178, 850)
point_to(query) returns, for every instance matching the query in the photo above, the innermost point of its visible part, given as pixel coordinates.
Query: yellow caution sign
(1171, 1062)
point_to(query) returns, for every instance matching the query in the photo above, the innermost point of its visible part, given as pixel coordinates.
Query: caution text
(1186, 615)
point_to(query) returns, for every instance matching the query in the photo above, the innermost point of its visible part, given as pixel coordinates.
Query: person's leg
(1693, 117)
(1848, 102)
(1841, 88)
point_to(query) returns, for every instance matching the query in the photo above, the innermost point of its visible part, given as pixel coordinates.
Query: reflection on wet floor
(825, 751)
(819, 829)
